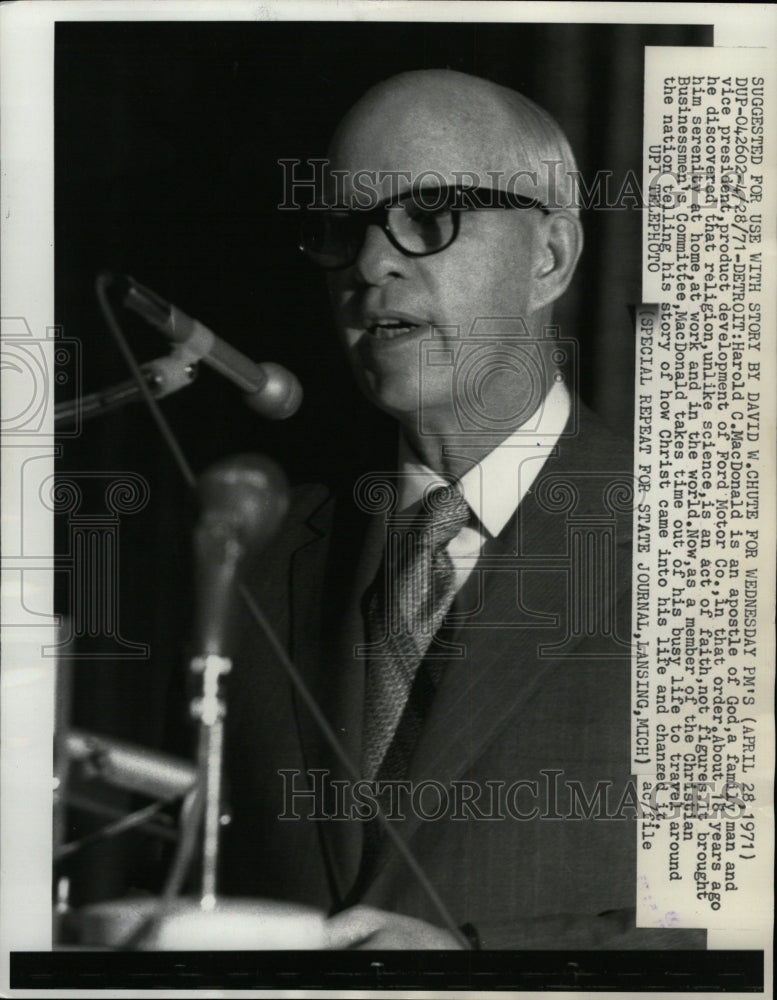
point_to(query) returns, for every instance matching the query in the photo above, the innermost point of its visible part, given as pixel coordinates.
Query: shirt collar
(495, 486)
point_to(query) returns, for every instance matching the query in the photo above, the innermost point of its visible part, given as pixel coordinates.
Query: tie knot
(447, 512)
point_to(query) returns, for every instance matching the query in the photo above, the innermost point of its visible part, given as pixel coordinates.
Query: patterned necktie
(405, 607)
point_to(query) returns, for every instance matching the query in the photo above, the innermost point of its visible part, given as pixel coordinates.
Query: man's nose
(378, 260)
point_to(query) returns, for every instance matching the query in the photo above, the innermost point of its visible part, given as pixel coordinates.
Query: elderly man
(463, 620)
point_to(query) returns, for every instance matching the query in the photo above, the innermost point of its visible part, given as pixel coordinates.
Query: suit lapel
(496, 680)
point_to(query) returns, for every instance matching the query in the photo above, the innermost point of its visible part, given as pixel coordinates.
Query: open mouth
(389, 329)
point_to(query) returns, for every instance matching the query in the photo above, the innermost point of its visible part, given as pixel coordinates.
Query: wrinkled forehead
(406, 137)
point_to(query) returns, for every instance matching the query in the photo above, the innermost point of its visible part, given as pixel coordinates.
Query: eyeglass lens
(333, 239)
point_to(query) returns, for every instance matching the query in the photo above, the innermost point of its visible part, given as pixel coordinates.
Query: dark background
(166, 148)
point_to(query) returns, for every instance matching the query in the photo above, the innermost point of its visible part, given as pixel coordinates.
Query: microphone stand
(163, 376)
(209, 709)
(219, 548)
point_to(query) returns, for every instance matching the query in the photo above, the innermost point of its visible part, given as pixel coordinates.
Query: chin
(396, 396)
(399, 408)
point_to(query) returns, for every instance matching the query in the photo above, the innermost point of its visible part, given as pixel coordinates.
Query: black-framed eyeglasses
(419, 223)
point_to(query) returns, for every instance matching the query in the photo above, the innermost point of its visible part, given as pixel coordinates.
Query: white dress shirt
(494, 486)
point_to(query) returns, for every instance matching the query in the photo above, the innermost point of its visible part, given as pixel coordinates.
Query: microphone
(243, 500)
(132, 767)
(270, 389)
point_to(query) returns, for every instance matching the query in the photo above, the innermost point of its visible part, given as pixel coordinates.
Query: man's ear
(558, 248)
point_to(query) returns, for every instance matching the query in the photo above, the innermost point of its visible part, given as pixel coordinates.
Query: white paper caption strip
(703, 580)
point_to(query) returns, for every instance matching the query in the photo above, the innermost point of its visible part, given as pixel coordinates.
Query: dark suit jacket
(541, 694)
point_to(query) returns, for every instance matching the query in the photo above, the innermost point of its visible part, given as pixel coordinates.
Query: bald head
(415, 276)
(469, 130)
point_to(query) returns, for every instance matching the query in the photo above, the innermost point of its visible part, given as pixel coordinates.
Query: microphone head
(280, 396)
(244, 497)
